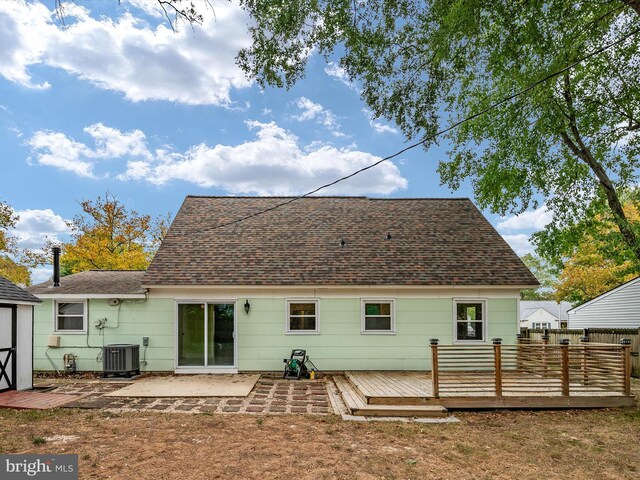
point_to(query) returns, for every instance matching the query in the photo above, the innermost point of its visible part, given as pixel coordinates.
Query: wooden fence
(595, 335)
(531, 370)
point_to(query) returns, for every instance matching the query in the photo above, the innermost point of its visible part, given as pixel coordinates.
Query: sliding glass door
(206, 335)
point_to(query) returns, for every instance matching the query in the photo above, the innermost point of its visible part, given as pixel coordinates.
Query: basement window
(70, 317)
(302, 316)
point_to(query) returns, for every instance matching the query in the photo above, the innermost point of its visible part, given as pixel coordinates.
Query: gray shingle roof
(433, 242)
(94, 282)
(10, 293)
(558, 310)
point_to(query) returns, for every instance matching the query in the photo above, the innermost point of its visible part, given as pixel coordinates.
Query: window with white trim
(70, 316)
(470, 320)
(540, 325)
(378, 316)
(302, 316)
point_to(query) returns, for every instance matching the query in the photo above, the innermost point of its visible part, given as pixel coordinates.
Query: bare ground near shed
(571, 444)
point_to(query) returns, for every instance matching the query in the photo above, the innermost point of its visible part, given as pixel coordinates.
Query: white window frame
(287, 317)
(482, 301)
(84, 316)
(392, 310)
(542, 325)
(210, 368)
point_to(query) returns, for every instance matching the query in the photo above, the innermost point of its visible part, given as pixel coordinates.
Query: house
(540, 314)
(16, 348)
(617, 308)
(239, 282)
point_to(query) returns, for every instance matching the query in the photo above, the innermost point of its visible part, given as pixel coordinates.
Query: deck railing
(530, 369)
(595, 335)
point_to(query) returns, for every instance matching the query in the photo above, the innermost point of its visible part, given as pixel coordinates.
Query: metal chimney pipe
(56, 266)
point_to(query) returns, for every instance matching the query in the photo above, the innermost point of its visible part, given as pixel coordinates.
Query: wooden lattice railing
(531, 369)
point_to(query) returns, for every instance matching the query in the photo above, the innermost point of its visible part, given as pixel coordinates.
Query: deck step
(356, 387)
(357, 406)
(396, 388)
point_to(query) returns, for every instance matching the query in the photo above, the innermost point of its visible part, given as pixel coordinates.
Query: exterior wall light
(247, 306)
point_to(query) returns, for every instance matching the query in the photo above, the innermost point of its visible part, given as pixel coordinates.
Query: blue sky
(115, 101)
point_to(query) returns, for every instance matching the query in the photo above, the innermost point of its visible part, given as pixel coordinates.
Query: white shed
(617, 308)
(16, 337)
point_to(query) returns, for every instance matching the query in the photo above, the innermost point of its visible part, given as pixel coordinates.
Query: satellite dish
(113, 302)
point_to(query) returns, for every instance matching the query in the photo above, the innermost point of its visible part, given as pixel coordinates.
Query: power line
(437, 134)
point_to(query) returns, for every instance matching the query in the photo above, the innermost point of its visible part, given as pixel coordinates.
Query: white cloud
(21, 44)
(112, 143)
(41, 274)
(536, 220)
(382, 127)
(378, 126)
(309, 109)
(126, 55)
(315, 111)
(55, 149)
(338, 73)
(519, 243)
(271, 164)
(149, 7)
(36, 226)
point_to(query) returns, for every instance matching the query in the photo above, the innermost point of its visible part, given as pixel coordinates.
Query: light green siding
(262, 341)
(126, 323)
(262, 338)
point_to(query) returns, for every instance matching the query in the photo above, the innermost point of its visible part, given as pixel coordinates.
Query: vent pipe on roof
(56, 266)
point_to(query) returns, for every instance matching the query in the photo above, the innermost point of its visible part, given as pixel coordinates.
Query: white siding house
(539, 314)
(617, 308)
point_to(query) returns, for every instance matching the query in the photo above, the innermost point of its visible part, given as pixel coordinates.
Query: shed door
(7, 349)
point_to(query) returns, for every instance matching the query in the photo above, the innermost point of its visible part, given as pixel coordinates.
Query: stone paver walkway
(271, 395)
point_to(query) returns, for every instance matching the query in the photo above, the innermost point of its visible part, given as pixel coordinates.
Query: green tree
(423, 64)
(546, 274)
(9, 268)
(598, 263)
(8, 219)
(108, 236)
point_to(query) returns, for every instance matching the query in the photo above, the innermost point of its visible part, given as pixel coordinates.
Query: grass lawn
(585, 444)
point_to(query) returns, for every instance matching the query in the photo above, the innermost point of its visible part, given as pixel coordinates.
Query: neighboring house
(617, 308)
(539, 314)
(16, 347)
(359, 283)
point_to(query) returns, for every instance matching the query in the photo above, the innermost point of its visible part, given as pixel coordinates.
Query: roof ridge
(324, 197)
(110, 270)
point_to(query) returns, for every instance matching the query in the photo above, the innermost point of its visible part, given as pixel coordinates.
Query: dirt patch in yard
(602, 444)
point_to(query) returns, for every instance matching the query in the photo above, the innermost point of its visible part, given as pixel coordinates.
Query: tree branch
(582, 151)
(634, 4)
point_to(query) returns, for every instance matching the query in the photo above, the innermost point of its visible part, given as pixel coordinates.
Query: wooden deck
(406, 392)
(357, 404)
(392, 388)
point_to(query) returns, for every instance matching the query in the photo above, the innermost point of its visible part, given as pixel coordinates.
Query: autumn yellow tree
(9, 268)
(108, 236)
(596, 267)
